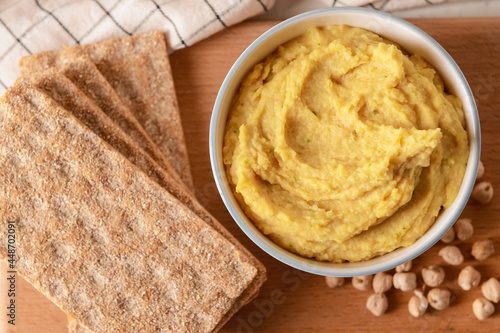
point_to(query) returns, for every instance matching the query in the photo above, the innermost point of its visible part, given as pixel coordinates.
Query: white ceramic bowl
(410, 38)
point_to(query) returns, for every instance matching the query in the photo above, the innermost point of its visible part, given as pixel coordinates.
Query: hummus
(340, 146)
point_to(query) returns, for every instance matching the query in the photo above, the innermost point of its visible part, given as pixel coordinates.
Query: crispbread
(252, 291)
(63, 91)
(138, 68)
(85, 75)
(98, 237)
(67, 94)
(70, 97)
(75, 327)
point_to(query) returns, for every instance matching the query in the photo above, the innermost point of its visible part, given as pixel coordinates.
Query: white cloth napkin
(31, 26)
(389, 5)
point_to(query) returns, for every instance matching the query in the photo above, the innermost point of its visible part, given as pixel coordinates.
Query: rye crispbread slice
(74, 326)
(138, 68)
(252, 292)
(84, 109)
(98, 237)
(85, 75)
(71, 98)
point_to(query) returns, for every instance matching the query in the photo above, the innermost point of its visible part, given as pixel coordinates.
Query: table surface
(292, 301)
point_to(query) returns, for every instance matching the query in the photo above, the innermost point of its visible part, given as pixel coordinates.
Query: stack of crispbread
(95, 174)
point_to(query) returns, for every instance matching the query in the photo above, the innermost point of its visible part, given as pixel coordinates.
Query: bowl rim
(312, 265)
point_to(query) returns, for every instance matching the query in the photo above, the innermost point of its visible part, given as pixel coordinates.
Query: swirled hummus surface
(340, 146)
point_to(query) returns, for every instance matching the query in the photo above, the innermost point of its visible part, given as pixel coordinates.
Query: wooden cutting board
(291, 301)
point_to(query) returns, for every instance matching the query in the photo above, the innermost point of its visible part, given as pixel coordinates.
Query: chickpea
(404, 267)
(482, 192)
(482, 308)
(377, 304)
(468, 278)
(464, 229)
(491, 290)
(480, 170)
(363, 282)
(418, 304)
(452, 255)
(449, 236)
(481, 250)
(382, 282)
(433, 275)
(439, 298)
(333, 281)
(405, 281)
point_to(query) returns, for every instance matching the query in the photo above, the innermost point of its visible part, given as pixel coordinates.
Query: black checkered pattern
(30, 26)
(388, 5)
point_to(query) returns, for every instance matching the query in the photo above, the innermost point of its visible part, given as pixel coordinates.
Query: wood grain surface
(291, 301)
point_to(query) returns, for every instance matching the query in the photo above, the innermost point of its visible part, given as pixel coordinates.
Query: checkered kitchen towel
(388, 5)
(31, 26)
